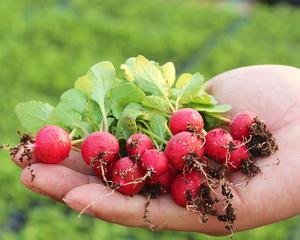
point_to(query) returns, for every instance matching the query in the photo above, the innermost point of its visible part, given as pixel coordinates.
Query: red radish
(137, 143)
(162, 183)
(240, 125)
(186, 119)
(52, 144)
(101, 146)
(182, 146)
(186, 187)
(217, 144)
(238, 154)
(125, 172)
(155, 161)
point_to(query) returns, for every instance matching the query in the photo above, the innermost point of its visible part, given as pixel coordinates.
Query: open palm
(272, 92)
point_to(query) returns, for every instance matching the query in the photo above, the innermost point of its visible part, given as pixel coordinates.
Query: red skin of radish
(186, 119)
(180, 146)
(52, 144)
(137, 143)
(126, 171)
(217, 144)
(240, 125)
(237, 155)
(164, 180)
(155, 161)
(100, 145)
(183, 183)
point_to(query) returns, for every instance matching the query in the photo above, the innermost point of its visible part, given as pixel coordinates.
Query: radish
(52, 144)
(260, 141)
(154, 161)
(100, 146)
(137, 143)
(186, 187)
(182, 147)
(240, 125)
(217, 144)
(128, 176)
(186, 119)
(161, 183)
(238, 154)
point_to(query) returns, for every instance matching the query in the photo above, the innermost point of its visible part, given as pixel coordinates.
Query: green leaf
(169, 73)
(189, 88)
(128, 68)
(183, 80)
(127, 123)
(68, 113)
(204, 98)
(146, 74)
(33, 115)
(111, 121)
(92, 114)
(125, 93)
(157, 103)
(117, 109)
(97, 83)
(157, 124)
(210, 109)
(148, 113)
(83, 130)
(74, 99)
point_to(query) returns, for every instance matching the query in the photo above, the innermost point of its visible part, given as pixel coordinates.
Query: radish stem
(220, 117)
(72, 133)
(74, 142)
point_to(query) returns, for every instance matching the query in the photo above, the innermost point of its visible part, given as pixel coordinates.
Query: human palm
(270, 91)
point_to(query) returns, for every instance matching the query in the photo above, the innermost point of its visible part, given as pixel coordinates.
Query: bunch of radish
(148, 134)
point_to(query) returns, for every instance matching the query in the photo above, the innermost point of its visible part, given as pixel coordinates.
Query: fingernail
(78, 207)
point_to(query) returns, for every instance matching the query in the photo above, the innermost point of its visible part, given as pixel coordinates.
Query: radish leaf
(33, 115)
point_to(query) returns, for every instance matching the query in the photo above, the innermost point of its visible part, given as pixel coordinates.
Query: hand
(272, 92)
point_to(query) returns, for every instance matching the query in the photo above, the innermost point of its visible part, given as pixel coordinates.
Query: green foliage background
(45, 45)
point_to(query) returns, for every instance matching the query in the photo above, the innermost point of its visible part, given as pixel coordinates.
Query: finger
(270, 91)
(164, 214)
(54, 181)
(74, 162)
(21, 159)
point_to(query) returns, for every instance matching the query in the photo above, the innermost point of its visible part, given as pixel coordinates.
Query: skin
(270, 91)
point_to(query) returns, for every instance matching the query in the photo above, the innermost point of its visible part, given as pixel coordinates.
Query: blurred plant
(295, 2)
(46, 44)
